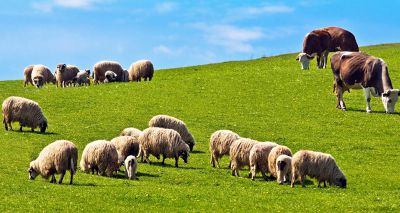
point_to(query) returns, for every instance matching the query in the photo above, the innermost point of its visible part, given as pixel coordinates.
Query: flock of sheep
(167, 137)
(103, 72)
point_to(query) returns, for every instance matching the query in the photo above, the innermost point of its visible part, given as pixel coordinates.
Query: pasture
(267, 99)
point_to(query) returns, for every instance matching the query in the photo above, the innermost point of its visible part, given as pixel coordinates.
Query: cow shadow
(373, 112)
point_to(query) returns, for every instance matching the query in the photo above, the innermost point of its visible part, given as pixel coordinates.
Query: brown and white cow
(356, 70)
(340, 40)
(317, 42)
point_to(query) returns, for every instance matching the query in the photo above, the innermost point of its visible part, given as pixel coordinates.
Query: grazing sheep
(65, 73)
(110, 76)
(101, 67)
(283, 168)
(55, 158)
(273, 155)
(100, 156)
(141, 69)
(165, 142)
(130, 167)
(82, 78)
(317, 165)
(125, 76)
(259, 158)
(239, 154)
(126, 145)
(26, 112)
(220, 143)
(169, 122)
(41, 75)
(28, 75)
(130, 131)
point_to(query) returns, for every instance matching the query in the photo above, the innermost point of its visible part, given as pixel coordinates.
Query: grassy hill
(268, 99)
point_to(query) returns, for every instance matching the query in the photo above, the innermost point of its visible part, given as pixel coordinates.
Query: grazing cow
(317, 42)
(356, 70)
(340, 40)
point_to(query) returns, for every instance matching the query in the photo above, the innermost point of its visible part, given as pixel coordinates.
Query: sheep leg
(264, 175)
(32, 129)
(163, 160)
(212, 161)
(20, 128)
(293, 180)
(61, 177)
(53, 179)
(230, 163)
(176, 161)
(5, 124)
(72, 177)
(324, 184)
(9, 124)
(302, 177)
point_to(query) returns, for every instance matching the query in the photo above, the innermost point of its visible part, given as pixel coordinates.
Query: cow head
(304, 59)
(389, 99)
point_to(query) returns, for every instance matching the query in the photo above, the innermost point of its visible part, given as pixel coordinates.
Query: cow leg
(319, 61)
(367, 94)
(325, 59)
(339, 97)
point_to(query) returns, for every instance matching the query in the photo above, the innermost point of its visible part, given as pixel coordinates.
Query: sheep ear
(297, 58)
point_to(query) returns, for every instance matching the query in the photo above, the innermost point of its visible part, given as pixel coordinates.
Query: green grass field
(267, 99)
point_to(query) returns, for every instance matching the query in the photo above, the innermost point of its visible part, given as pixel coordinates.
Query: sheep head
(32, 171)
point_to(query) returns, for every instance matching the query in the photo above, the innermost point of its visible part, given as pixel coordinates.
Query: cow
(315, 41)
(356, 70)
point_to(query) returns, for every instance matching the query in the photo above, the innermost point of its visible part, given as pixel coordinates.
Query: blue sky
(175, 33)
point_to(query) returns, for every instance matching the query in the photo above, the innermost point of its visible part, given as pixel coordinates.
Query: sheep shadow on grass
(166, 165)
(197, 152)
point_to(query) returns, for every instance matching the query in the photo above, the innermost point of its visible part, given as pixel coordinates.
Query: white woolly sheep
(259, 158)
(220, 143)
(274, 154)
(41, 75)
(317, 165)
(110, 76)
(131, 167)
(55, 158)
(65, 73)
(28, 75)
(130, 131)
(239, 154)
(126, 145)
(100, 156)
(283, 168)
(101, 67)
(82, 78)
(165, 142)
(169, 122)
(141, 69)
(26, 112)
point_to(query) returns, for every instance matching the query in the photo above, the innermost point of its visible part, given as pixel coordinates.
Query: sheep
(100, 156)
(100, 68)
(130, 167)
(25, 111)
(169, 122)
(165, 142)
(141, 69)
(28, 75)
(110, 76)
(259, 158)
(130, 131)
(82, 78)
(65, 73)
(126, 145)
(317, 165)
(273, 155)
(55, 158)
(41, 75)
(283, 168)
(125, 76)
(220, 142)
(239, 154)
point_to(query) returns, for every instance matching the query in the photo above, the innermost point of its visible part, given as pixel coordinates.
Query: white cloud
(162, 49)
(269, 9)
(49, 5)
(73, 3)
(165, 7)
(42, 6)
(232, 38)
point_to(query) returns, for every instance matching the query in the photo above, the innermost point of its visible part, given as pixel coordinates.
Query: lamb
(101, 67)
(82, 78)
(55, 158)
(65, 73)
(130, 131)
(28, 75)
(169, 122)
(100, 156)
(41, 75)
(283, 168)
(317, 165)
(220, 143)
(130, 167)
(239, 154)
(141, 69)
(165, 142)
(126, 145)
(259, 158)
(25, 111)
(110, 76)
(273, 155)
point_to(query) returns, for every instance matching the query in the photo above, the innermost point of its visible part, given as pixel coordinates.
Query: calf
(355, 70)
